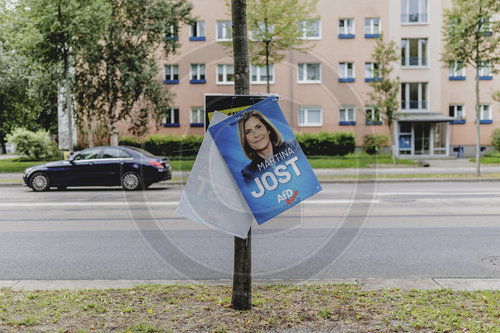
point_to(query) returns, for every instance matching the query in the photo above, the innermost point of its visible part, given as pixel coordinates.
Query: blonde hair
(274, 134)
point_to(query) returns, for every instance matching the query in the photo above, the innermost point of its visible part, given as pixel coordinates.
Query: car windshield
(143, 152)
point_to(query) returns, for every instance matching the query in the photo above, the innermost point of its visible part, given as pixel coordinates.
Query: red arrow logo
(290, 200)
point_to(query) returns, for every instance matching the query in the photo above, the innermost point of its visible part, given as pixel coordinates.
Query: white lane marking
(157, 203)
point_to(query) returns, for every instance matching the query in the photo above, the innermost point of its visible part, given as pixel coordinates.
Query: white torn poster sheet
(211, 196)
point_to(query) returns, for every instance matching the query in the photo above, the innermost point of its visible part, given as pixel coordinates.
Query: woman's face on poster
(256, 134)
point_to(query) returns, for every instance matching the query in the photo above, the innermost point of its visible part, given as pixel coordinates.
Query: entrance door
(422, 138)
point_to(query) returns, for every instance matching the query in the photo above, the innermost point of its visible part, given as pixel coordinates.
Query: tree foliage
(385, 88)
(117, 78)
(275, 27)
(471, 34)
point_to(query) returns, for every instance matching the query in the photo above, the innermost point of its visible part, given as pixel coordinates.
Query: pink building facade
(326, 89)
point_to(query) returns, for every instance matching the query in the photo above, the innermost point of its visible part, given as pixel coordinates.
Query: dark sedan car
(130, 167)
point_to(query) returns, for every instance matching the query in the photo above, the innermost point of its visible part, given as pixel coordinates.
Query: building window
(197, 32)
(197, 116)
(309, 73)
(197, 74)
(171, 118)
(414, 11)
(373, 116)
(258, 74)
(171, 33)
(414, 52)
(224, 30)
(258, 31)
(457, 111)
(346, 28)
(225, 74)
(346, 115)
(346, 72)
(414, 96)
(485, 114)
(310, 116)
(456, 71)
(485, 27)
(370, 68)
(171, 74)
(485, 70)
(310, 29)
(372, 27)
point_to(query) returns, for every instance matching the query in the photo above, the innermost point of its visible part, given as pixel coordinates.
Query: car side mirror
(71, 158)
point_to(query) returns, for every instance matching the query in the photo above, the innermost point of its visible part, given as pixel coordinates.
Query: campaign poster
(265, 159)
(229, 104)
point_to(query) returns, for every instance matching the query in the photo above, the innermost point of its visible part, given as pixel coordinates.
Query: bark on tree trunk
(90, 132)
(68, 103)
(242, 275)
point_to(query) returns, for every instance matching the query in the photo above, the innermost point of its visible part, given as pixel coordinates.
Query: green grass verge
(348, 161)
(206, 308)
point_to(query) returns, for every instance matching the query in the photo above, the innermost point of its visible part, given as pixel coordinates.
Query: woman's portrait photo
(260, 141)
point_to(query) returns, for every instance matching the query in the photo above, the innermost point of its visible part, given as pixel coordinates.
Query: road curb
(457, 284)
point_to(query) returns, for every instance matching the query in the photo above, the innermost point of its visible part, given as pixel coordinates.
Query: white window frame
(197, 72)
(371, 114)
(303, 72)
(371, 28)
(457, 111)
(172, 116)
(347, 110)
(485, 108)
(370, 70)
(456, 69)
(197, 29)
(423, 88)
(346, 70)
(222, 69)
(347, 29)
(406, 48)
(224, 31)
(196, 115)
(310, 29)
(303, 121)
(171, 70)
(485, 68)
(422, 14)
(258, 72)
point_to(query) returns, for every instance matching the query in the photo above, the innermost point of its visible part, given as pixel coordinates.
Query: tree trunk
(90, 132)
(68, 102)
(113, 134)
(478, 125)
(268, 87)
(392, 141)
(242, 275)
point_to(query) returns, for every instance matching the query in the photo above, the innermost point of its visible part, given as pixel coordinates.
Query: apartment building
(326, 89)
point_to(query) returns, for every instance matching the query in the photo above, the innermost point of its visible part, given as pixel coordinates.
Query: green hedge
(327, 143)
(324, 143)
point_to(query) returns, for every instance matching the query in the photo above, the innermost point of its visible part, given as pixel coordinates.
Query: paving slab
(469, 284)
(405, 284)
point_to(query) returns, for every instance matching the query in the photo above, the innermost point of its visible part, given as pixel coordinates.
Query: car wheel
(40, 182)
(131, 181)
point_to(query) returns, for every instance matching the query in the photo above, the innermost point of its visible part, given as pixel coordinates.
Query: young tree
(242, 275)
(471, 34)
(55, 31)
(385, 87)
(117, 77)
(276, 26)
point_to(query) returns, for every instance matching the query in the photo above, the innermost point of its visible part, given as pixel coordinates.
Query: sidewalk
(458, 284)
(442, 169)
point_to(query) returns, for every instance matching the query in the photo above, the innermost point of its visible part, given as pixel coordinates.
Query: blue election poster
(265, 159)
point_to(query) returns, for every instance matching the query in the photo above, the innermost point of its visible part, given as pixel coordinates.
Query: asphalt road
(387, 230)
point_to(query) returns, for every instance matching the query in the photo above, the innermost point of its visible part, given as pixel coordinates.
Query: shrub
(327, 143)
(495, 139)
(35, 145)
(373, 142)
(170, 145)
(130, 141)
